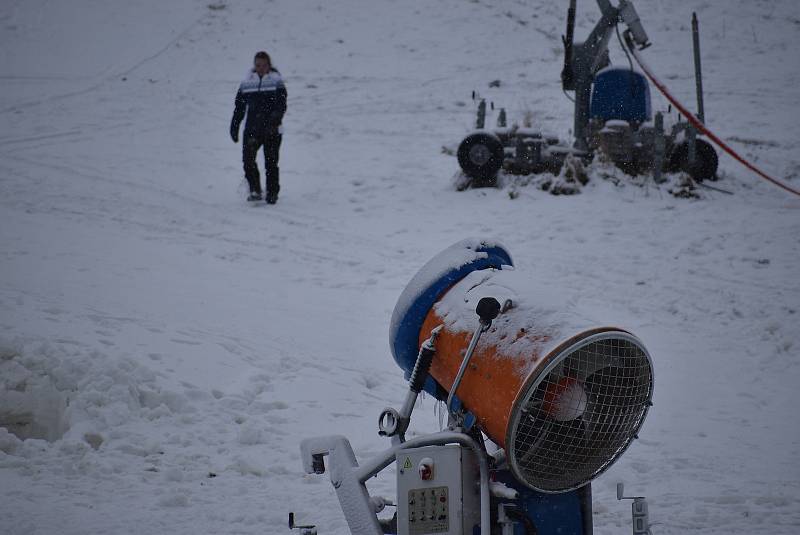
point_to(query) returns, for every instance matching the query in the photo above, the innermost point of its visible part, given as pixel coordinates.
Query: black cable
(630, 63)
(525, 520)
(714, 188)
(624, 48)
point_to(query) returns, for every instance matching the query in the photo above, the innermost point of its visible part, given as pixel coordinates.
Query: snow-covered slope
(166, 346)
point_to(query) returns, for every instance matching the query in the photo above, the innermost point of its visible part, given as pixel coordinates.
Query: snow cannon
(540, 400)
(612, 115)
(563, 396)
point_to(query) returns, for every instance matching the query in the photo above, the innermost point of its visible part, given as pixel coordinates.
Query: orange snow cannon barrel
(562, 394)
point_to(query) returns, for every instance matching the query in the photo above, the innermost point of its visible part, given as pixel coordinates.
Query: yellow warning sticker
(407, 464)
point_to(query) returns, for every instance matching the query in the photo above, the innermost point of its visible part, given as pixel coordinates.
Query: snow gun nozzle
(488, 308)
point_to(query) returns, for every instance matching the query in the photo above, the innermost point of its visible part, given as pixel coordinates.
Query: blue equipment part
(428, 285)
(620, 94)
(567, 513)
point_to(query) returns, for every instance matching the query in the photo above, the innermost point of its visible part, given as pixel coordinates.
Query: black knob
(488, 308)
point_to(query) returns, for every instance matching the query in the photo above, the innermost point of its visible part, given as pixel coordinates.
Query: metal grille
(581, 413)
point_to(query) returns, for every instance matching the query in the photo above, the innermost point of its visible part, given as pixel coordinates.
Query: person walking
(262, 97)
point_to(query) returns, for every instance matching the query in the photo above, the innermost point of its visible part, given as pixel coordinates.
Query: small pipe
(468, 355)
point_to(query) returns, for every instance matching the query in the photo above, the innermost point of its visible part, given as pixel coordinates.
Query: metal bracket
(639, 512)
(348, 478)
(504, 520)
(304, 530)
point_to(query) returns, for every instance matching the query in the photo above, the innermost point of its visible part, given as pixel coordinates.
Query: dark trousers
(272, 145)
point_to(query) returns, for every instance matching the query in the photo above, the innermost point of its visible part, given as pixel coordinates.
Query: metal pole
(501, 118)
(567, 74)
(481, 121)
(658, 148)
(487, 310)
(698, 71)
(468, 355)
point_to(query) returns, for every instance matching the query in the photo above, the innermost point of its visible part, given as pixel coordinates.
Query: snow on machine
(612, 115)
(540, 401)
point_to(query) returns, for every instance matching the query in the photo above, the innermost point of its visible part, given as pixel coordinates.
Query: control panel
(438, 491)
(428, 511)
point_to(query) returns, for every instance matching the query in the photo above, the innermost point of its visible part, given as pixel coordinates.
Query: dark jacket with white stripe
(263, 100)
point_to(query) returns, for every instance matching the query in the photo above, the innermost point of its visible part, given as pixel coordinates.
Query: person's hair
(263, 55)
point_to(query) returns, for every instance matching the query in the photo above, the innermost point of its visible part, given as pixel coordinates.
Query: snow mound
(31, 405)
(51, 393)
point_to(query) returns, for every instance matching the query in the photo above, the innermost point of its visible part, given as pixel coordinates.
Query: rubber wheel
(705, 160)
(480, 157)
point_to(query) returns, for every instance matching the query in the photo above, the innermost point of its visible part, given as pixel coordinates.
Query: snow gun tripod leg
(344, 470)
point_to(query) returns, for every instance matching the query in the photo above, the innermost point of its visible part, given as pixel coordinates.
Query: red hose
(702, 128)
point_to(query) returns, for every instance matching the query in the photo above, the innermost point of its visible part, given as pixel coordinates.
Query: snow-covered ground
(166, 346)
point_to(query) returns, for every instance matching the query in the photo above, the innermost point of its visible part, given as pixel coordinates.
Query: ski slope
(165, 345)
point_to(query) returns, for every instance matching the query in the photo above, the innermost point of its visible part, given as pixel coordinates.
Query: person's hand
(273, 125)
(235, 134)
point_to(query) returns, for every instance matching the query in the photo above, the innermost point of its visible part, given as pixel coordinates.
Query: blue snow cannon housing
(620, 94)
(428, 285)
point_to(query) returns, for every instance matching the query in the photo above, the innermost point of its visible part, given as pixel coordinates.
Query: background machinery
(612, 114)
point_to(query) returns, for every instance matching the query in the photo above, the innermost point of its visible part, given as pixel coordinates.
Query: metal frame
(533, 152)
(587, 58)
(348, 478)
(591, 55)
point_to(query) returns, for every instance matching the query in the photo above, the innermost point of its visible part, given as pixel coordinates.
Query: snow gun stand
(527, 431)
